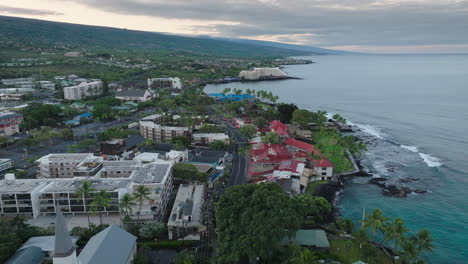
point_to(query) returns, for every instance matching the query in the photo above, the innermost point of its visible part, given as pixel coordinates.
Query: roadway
(240, 160)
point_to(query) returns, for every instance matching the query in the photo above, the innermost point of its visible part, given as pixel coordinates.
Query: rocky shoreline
(393, 190)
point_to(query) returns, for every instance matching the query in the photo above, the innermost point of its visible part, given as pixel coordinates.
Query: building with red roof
(279, 128)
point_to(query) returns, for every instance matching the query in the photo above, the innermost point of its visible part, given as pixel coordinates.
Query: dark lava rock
(391, 169)
(419, 191)
(394, 191)
(378, 181)
(405, 180)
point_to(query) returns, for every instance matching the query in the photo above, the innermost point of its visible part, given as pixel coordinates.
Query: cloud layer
(26, 11)
(315, 22)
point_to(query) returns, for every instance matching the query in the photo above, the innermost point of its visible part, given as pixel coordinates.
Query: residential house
(135, 95)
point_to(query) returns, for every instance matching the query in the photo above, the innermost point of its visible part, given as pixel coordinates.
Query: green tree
(248, 131)
(376, 222)
(396, 231)
(66, 133)
(36, 115)
(185, 257)
(271, 138)
(152, 230)
(306, 256)
(218, 145)
(423, 241)
(286, 111)
(126, 204)
(141, 194)
(339, 118)
(100, 203)
(102, 112)
(185, 171)
(252, 219)
(260, 121)
(84, 193)
(345, 224)
(302, 117)
(317, 208)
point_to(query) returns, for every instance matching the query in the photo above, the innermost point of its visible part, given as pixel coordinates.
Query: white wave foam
(371, 130)
(411, 148)
(430, 160)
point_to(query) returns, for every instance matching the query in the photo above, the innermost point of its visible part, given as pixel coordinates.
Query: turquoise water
(413, 112)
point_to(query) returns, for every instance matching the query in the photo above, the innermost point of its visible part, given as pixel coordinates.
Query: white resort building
(82, 90)
(262, 73)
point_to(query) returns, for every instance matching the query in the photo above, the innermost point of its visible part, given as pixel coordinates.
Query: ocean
(412, 110)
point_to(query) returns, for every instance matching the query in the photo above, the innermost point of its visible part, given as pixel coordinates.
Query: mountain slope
(300, 48)
(46, 33)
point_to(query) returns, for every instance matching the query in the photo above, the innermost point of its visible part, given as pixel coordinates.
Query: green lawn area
(347, 251)
(311, 186)
(335, 153)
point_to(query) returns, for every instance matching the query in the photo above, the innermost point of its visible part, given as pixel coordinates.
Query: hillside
(300, 48)
(46, 33)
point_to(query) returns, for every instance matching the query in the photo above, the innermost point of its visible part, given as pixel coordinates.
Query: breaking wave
(430, 160)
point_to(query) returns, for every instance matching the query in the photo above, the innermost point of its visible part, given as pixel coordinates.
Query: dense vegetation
(47, 33)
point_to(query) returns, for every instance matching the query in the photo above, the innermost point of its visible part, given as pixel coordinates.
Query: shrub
(151, 231)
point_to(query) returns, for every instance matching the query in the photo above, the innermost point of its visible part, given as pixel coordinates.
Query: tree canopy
(286, 111)
(248, 131)
(36, 115)
(252, 220)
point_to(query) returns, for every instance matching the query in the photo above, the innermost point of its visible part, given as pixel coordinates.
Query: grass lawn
(335, 153)
(347, 251)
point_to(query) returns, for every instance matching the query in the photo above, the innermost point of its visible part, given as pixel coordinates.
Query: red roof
(289, 165)
(280, 128)
(324, 162)
(301, 145)
(270, 153)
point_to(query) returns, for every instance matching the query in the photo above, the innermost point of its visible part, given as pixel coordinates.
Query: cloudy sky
(384, 26)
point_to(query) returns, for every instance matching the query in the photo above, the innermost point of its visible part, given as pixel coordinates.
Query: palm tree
(306, 256)
(396, 231)
(126, 203)
(142, 193)
(423, 241)
(100, 203)
(83, 193)
(376, 222)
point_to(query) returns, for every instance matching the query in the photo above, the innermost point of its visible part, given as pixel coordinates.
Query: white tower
(65, 251)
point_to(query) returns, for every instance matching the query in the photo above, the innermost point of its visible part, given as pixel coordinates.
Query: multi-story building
(20, 196)
(61, 165)
(9, 123)
(83, 90)
(171, 82)
(158, 178)
(162, 128)
(62, 193)
(186, 218)
(119, 168)
(207, 138)
(18, 82)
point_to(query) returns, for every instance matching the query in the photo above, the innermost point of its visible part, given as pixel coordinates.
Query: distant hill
(40, 32)
(302, 48)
